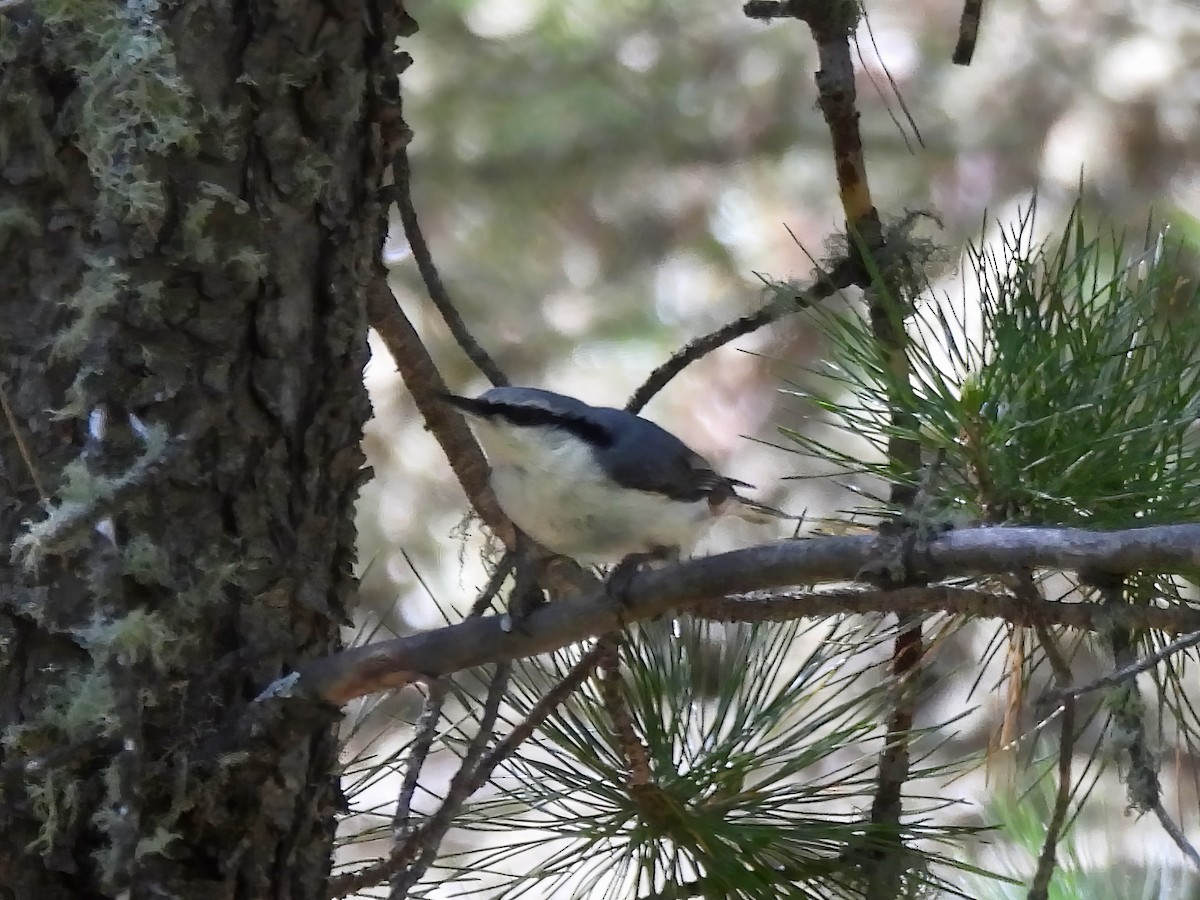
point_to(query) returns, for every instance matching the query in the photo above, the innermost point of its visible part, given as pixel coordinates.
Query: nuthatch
(598, 484)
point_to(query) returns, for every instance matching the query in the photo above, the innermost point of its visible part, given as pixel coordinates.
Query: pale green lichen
(82, 495)
(311, 172)
(157, 842)
(103, 285)
(77, 484)
(83, 706)
(55, 801)
(248, 263)
(197, 240)
(146, 562)
(213, 578)
(112, 815)
(138, 636)
(131, 105)
(196, 225)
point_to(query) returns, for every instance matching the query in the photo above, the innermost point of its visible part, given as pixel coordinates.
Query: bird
(598, 484)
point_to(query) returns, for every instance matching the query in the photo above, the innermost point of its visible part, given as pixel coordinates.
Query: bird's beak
(751, 510)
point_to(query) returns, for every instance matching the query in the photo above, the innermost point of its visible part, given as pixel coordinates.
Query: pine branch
(353, 673)
(790, 604)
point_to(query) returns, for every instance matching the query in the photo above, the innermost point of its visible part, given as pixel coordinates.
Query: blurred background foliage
(600, 182)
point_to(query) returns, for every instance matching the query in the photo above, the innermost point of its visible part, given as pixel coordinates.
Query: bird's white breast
(550, 485)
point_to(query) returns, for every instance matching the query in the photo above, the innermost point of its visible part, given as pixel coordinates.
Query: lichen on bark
(186, 220)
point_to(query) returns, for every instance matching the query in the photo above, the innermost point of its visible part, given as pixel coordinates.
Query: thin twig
(402, 171)
(554, 698)
(461, 783)
(1142, 665)
(408, 351)
(887, 805)
(633, 751)
(22, 447)
(484, 601)
(832, 26)
(425, 383)
(461, 787)
(432, 712)
(843, 274)
(908, 116)
(765, 10)
(1175, 833)
(378, 872)
(418, 753)
(1040, 887)
(968, 32)
(396, 136)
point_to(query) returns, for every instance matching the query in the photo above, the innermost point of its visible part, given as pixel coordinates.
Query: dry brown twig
(841, 274)
(22, 446)
(382, 870)
(1040, 886)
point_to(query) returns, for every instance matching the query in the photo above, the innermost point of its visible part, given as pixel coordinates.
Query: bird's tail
(471, 405)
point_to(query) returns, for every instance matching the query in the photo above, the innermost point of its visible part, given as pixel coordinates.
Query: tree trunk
(188, 214)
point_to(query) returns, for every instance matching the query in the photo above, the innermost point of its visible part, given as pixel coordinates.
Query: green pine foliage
(761, 761)
(1068, 398)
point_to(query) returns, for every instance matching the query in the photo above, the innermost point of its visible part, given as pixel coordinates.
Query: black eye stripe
(532, 416)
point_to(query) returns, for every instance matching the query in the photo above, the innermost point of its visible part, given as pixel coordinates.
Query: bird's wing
(653, 460)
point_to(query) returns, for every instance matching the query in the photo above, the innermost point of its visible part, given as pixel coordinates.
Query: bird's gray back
(637, 453)
(536, 397)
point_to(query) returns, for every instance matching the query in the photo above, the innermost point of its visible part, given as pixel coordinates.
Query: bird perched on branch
(598, 484)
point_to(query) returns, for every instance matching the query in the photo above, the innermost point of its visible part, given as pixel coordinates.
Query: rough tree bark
(188, 215)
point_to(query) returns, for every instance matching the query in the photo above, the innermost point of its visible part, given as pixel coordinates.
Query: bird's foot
(519, 611)
(527, 594)
(620, 579)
